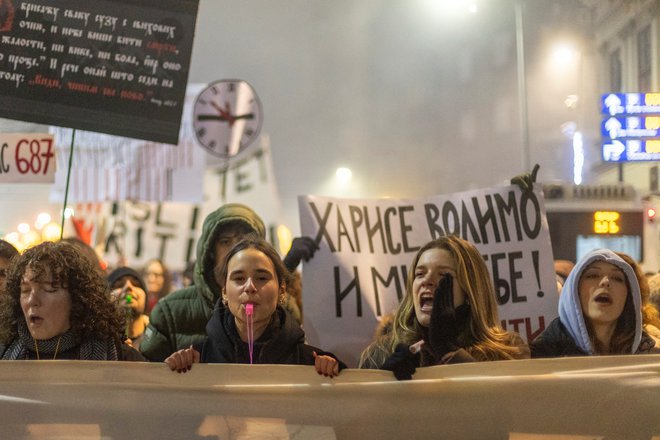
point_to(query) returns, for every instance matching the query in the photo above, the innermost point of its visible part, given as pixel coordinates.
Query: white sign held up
(359, 274)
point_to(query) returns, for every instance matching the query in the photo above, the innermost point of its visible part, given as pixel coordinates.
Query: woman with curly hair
(448, 315)
(58, 307)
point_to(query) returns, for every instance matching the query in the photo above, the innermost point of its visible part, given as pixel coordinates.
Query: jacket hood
(570, 309)
(213, 223)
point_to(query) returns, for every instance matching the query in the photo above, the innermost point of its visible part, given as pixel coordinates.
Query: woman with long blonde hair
(448, 315)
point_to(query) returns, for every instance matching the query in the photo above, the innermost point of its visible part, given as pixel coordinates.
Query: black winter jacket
(283, 342)
(555, 341)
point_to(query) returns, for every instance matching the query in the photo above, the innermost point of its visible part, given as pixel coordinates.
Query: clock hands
(223, 118)
(225, 115)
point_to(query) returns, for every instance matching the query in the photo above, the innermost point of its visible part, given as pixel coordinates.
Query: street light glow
(578, 157)
(343, 174)
(564, 56)
(450, 8)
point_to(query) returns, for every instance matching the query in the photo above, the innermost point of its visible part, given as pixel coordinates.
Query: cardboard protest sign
(359, 274)
(27, 158)
(112, 66)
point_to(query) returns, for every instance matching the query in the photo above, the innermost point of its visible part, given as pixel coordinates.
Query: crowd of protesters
(242, 304)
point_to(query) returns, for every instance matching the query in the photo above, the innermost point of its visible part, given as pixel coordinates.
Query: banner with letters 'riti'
(359, 274)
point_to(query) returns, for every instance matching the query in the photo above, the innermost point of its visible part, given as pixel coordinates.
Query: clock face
(227, 117)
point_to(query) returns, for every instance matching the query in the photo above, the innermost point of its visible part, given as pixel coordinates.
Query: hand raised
(302, 248)
(447, 322)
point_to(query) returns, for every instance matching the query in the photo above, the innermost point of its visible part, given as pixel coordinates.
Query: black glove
(526, 180)
(302, 248)
(402, 362)
(447, 323)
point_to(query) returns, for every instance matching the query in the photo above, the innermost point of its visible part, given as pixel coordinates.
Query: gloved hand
(302, 248)
(526, 180)
(403, 363)
(447, 323)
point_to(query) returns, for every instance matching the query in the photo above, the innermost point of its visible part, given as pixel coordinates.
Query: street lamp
(522, 84)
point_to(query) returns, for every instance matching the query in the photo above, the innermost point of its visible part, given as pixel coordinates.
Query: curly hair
(486, 340)
(92, 311)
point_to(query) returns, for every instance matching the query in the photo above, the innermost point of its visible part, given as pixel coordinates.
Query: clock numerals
(248, 132)
(232, 87)
(201, 132)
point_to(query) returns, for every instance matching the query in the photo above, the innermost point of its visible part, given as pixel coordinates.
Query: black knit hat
(126, 271)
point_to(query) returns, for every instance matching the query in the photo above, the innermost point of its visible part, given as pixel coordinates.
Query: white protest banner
(112, 168)
(359, 274)
(579, 398)
(138, 231)
(27, 158)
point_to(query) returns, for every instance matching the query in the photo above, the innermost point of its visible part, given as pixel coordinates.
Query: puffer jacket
(179, 319)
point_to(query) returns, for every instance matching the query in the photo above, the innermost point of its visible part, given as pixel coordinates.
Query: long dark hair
(624, 331)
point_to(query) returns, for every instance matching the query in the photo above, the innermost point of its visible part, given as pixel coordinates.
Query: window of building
(616, 70)
(644, 59)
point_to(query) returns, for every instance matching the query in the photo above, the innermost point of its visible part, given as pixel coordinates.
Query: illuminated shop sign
(605, 222)
(631, 127)
(631, 150)
(630, 103)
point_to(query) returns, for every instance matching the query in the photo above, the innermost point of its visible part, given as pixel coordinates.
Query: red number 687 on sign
(33, 155)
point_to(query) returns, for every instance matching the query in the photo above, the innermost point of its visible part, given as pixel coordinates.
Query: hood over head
(570, 308)
(227, 214)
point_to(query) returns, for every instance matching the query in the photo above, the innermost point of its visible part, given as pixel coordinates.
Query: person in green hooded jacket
(179, 319)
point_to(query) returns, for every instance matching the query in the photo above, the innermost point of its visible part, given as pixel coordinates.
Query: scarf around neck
(89, 349)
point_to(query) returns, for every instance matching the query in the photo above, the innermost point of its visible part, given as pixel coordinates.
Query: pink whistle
(249, 309)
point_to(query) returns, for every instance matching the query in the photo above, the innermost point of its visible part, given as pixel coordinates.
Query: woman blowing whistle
(249, 325)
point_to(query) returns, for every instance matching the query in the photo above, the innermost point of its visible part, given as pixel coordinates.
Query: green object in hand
(526, 181)
(129, 298)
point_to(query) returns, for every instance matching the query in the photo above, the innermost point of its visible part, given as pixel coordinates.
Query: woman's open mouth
(603, 298)
(426, 303)
(35, 320)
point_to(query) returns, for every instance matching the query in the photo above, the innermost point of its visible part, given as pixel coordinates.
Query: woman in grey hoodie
(599, 312)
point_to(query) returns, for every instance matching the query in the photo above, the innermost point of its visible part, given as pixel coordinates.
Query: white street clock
(227, 117)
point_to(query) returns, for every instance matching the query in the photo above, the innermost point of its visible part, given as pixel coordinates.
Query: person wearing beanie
(129, 292)
(179, 319)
